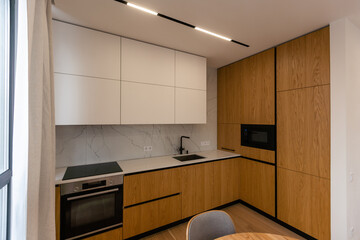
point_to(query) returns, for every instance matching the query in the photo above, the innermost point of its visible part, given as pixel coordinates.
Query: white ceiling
(260, 23)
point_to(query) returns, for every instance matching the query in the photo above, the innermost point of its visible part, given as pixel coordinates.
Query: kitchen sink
(189, 157)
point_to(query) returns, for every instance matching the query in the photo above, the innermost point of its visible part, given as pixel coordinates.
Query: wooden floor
(245, 219)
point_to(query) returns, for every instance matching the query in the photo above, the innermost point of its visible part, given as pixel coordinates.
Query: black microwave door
(258, 136)
(87, 212)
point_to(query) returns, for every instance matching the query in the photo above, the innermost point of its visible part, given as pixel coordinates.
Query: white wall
(77, 145)
(345, 129)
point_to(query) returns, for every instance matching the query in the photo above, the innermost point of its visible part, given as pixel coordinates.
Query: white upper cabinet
(190, 71)
(85, 52)
(190, 106)
(146, 63)
(83, 100)
(146, 104)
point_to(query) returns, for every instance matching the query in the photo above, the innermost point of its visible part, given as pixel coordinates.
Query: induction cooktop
(91, 170)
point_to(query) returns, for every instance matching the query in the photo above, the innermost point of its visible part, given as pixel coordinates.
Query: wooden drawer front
(229, 137)
(258, 154)
(303, 130)
(151, 185)
(145, 217)
(197, 188)
(257, 185)
(304, 62)
(115, 234)
(226, 181)
(304, 202)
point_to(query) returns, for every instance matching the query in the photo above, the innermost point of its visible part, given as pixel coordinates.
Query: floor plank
(245, 219)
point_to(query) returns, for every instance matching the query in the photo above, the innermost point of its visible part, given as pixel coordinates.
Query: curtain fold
(41, 163)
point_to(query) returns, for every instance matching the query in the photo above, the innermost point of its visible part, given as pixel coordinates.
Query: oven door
(91, 211)
(258, 136)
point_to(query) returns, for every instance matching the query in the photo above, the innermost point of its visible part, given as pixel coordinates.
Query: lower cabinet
(226, 181)
(257, 185)
(147, 216)
(57, 212)
(197, 189)
(304, 202)
(115, 234)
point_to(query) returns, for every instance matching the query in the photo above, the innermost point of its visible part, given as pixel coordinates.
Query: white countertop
(147, 164)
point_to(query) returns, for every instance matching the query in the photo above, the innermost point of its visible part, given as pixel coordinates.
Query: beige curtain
(41, 165)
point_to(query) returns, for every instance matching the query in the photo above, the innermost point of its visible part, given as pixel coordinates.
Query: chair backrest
(209, 225)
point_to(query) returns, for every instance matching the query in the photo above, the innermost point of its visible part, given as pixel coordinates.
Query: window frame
(5, 177)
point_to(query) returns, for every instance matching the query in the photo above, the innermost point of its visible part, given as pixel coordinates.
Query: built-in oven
(90, 207)
(258, 136)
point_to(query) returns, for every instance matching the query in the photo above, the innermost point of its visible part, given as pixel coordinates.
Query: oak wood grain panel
(257, 185)
(197, 188)
(254, 236)
(226, 179)
(304, 202)
(115, 234)
(228, 137)
(229, 94)
(258, 154)
(151, 185)
(145, 217)
(257, 88)
(304, 62)
(303, 130)
(57, 211)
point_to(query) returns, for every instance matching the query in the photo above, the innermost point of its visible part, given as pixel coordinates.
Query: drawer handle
(228, 149)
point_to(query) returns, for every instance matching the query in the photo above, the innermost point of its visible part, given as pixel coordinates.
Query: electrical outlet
(205, 143)
(147, 148)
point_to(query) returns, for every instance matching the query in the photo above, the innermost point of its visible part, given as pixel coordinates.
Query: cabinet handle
(228, 149)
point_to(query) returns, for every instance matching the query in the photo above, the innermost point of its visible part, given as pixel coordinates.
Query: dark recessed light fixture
(180, 22)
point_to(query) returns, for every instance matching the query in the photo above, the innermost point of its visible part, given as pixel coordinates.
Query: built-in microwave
(258, 136)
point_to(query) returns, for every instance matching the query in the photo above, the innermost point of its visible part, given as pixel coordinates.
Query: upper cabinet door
(190, 106)
(190, 71)
(304, 62)
(146, 104)
(85, 52)
(86, 101)
(146, 63)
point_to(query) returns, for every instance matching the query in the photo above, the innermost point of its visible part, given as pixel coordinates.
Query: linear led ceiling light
(180, 22)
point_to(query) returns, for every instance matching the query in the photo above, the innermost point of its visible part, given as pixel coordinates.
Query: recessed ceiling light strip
(180, 22)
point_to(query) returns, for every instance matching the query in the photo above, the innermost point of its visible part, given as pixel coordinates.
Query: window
(6, 86)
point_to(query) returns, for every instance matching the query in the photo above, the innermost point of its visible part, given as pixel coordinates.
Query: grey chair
(209, 225)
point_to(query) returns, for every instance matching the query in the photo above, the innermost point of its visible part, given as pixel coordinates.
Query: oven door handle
(92, 194)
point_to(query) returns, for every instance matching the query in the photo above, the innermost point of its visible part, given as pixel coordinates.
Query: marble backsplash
(78, 145)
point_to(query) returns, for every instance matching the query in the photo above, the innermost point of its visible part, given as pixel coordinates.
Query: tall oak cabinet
(287, 86)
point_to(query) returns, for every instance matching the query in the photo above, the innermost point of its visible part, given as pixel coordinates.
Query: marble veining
(78, 145)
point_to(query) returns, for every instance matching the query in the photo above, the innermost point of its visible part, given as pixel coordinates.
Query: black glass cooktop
(91, 170)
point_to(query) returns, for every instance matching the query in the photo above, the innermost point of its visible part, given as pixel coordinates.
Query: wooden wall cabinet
(304, 202)
(257, 88)
(151, 185)
(228, 93)
(304, 62)
(257, 185)
(145, 217)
